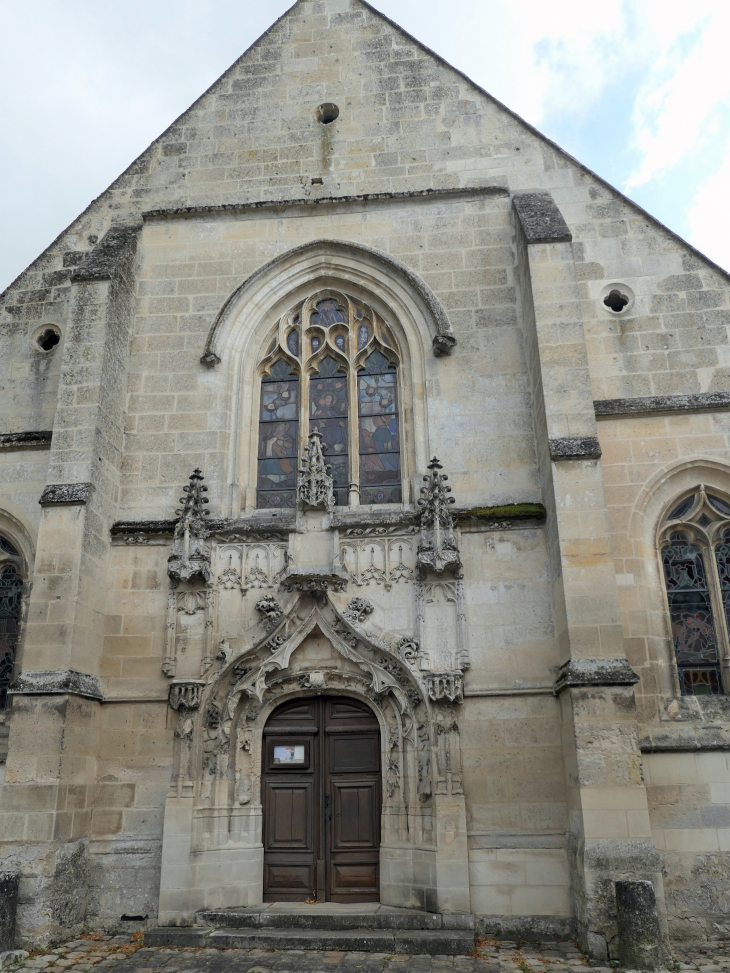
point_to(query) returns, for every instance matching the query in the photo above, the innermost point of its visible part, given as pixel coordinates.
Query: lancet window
(11, 601)
(332, 365)
(695, 552)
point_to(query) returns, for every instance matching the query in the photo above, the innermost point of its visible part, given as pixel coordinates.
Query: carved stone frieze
(191, 601)
(445, 686)
(375, 556)
(190, 555)
(257, 563)
(185, 693)
(315, 582)
(315, 486)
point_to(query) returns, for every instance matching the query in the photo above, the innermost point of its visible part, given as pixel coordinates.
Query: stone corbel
(445, 686)
(184, 694)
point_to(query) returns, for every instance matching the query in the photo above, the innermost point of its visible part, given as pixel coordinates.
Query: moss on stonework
(510, 511)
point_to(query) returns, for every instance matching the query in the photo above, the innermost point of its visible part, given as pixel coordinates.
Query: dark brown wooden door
(321, 797)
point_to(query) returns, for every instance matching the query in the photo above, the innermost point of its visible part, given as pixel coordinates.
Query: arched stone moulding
(212, 840)
(236, 343)
(644, 524)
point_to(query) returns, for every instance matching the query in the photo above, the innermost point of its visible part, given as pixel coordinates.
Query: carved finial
(437, 550)
(315, 486)
(190, 555)
(435, 501)
(192, 509)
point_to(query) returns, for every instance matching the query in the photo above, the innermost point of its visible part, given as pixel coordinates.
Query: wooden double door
(322, 802)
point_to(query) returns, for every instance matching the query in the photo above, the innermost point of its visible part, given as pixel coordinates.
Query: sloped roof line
(535, 131)
(442, 60)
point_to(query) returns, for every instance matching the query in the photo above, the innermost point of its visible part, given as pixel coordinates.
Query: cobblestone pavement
(129, 955)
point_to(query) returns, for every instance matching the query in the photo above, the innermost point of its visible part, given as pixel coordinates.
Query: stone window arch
(12, 577)
(694, 547)
(331, 364)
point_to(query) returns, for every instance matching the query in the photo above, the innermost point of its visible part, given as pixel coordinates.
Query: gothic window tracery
(11, 601)
(332, 366)
(695, 551)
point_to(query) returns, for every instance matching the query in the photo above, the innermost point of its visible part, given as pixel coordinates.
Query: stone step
(316, 918)
(433, 942)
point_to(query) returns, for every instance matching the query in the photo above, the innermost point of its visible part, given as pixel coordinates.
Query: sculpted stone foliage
(270, 609)
(357, 610)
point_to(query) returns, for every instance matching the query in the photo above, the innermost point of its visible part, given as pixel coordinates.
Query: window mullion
(353, 434)
(719, 612)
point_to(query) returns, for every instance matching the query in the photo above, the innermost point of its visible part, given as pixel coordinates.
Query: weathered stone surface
(595, 672)
(105, 259)
(587, 447)
(26, 440)
(66, 493)
(640, 941)
(662, 404)
(9, 885)
(540, 218)
(57, 682)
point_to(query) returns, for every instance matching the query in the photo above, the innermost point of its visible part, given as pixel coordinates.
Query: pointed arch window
(695, 551)
(11, 602)
(335, 362)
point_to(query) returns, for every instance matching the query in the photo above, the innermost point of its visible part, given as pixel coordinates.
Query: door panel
(322, 797)
(354, 815)
(290, 815)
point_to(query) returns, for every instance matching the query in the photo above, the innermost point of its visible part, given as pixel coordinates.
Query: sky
(638, 90)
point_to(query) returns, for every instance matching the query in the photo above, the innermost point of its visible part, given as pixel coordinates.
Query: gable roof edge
(535, 131)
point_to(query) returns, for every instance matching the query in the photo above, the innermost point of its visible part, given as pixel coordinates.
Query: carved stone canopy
(315, 486)
(445, 686)
(185, 693)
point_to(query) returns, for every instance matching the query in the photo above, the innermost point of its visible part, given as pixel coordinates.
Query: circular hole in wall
(327, 113)
(47, 338)
(617, 298)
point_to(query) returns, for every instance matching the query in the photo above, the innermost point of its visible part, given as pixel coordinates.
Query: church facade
(364, 519)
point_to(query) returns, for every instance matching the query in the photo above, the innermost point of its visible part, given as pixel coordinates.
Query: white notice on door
(289, 754)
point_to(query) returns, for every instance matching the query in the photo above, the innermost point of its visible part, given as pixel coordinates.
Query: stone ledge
(684, 738)
(586, 447)
(278, 204)
(26, 440)
(508, 512)
(66, 493)
(527, 928)
(658, 404)
(103, 261)
(594, 672)
(57, 682)
(540, 218)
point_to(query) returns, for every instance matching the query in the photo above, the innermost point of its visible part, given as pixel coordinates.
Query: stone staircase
(365, 927)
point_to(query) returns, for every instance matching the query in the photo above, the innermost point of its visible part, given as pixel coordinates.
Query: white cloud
(709, 214)
(676, 109)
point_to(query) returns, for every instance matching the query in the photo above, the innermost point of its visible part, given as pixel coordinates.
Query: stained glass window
(380, 478)
(11, 593)
(278, 438)
(690, 608)
(328, 414)
(682, 508)
(341, 353)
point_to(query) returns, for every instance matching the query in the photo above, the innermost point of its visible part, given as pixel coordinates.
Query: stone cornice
(648, 405)
(274, 205)
(594, 672)
(26, 440)
(57, 682)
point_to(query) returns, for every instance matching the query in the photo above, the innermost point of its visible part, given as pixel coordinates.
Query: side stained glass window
(690, 608)
(278, 442)
(328, 414)
(11, 593)
(377, 392)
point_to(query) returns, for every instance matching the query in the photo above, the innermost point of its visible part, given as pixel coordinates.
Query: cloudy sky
(638, 90)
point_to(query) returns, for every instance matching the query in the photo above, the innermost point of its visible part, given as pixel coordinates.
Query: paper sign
(289, 755)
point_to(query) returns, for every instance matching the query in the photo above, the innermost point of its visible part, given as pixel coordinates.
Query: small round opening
(327, 113)
(616, 301)
(48, 339)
